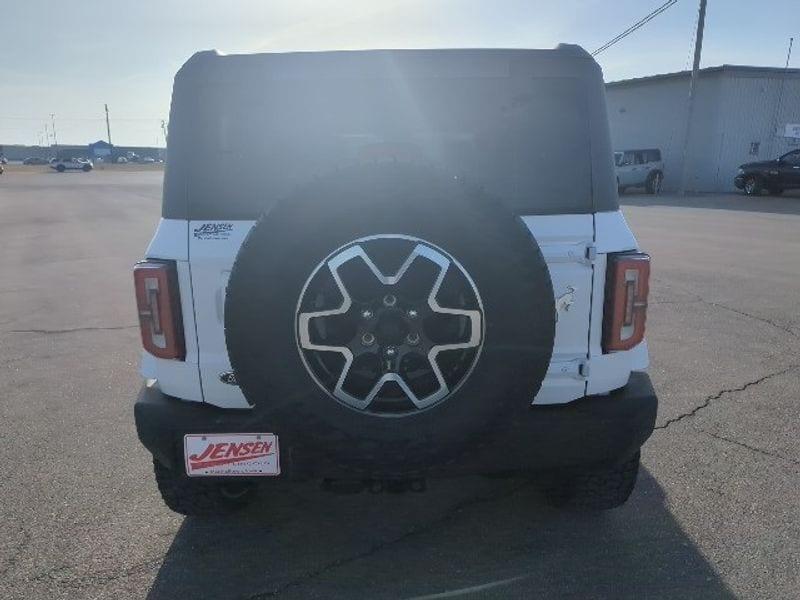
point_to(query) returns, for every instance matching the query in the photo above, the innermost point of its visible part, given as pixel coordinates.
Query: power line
(640, 23)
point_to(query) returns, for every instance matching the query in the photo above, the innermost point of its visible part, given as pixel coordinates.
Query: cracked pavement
(715, 512)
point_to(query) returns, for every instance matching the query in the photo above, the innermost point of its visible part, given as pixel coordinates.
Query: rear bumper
(596, 430)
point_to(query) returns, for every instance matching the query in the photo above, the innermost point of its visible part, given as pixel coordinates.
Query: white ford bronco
(391, 277)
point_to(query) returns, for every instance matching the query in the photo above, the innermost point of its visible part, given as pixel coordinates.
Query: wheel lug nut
(367, 339)
(412, 313)
(367, 314)
(389, 300)
(412, 338)
(391, 351)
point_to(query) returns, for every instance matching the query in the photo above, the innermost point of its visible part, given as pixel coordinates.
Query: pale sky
(69, 58)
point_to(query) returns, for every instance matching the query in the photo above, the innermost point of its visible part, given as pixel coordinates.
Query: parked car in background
(72, 164)
(34, 160)
(148, 159)
(773, 175)
(639, 168)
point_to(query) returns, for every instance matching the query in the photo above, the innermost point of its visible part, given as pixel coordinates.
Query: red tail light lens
(627, 285)
(158, 303)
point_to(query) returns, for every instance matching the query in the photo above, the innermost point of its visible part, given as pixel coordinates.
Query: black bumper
(596, 430)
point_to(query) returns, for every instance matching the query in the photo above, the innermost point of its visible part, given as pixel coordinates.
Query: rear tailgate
(566, 241)
(529, 125)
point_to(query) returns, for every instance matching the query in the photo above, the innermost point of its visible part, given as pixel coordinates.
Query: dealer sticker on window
(231, 454)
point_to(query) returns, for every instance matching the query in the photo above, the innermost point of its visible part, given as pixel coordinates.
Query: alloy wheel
(389, 325)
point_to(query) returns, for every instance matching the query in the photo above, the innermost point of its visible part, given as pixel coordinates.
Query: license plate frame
(231, 455)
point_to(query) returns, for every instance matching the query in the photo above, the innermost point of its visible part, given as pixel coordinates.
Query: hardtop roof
(212, 87)
(214, 65)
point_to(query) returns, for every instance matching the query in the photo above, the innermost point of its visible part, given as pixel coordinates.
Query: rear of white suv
(387, 279)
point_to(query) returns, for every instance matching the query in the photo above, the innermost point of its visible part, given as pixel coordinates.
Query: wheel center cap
(391, 329)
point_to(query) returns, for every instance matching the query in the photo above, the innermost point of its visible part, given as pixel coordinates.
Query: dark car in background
(772, 175)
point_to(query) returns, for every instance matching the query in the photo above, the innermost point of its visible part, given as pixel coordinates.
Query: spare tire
(388, 316)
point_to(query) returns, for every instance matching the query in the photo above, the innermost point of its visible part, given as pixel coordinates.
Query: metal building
(742, 114)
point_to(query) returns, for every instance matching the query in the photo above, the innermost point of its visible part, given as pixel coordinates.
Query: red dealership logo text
(225, 453)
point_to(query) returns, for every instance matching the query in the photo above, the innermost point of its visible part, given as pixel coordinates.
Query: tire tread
(194, 498)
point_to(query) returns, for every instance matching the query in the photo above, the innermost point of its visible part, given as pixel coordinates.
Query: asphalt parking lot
(715, 513)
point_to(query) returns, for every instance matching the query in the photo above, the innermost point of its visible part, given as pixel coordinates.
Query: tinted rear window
(652, 155)
(511, 136)
(239, 141)
(630, 157)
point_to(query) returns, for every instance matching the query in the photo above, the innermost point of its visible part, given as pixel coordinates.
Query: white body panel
(565, 240)
(574, 247)
(212, 259)
(610, 371)
(176, 378)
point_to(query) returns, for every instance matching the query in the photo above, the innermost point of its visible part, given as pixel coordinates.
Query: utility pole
(46, 135)
(108, 126)
(164, 130)
(776, 116)
(55, 139)
(698, 49)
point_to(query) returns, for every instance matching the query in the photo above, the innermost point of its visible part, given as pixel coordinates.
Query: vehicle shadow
(491, 538)
(786, 204)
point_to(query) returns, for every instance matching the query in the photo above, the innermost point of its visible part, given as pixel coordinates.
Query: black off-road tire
(198, 497)
(61, 168)
(494, 247)
(595, 490)
(654, 182)
(753, 186)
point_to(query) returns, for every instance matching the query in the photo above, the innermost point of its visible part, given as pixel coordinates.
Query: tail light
(627, 285)
(158, 303)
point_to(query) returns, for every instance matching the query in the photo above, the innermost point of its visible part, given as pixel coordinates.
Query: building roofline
(706, 71)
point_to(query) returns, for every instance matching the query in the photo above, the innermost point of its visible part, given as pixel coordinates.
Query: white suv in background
(71, 164)
(640, 169)
(411, 264)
